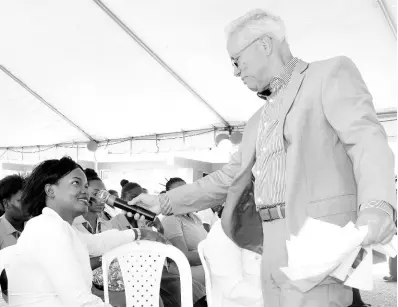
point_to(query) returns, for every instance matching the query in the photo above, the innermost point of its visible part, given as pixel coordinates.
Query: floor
(384, 294)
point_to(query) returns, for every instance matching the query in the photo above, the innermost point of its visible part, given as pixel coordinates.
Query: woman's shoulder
(45, 225)
(171, 219)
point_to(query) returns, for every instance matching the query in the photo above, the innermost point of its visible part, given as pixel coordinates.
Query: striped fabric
(270, 168)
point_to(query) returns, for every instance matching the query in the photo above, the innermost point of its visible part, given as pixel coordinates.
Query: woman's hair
(128, 187)
(33, 198)
(123, 182)
(10, 185)
(173, 181)
(91, 175)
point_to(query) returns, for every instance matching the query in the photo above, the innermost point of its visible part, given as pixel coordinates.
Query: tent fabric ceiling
(80, 61)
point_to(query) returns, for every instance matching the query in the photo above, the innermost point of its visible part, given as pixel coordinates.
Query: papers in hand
(323, 250)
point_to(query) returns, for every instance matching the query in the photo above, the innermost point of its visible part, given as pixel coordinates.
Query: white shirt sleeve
(56, 255)
(99, 244)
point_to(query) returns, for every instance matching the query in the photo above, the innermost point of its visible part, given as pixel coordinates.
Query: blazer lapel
(291, 92)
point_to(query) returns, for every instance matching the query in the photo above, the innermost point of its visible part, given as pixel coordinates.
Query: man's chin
(252, 88)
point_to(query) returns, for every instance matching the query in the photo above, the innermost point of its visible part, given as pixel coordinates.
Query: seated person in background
(131, 190)
(114, 193)
(234, 272)
(51, 266)
(185, 232)
(170, 283)
(210, 216)
(13, 221)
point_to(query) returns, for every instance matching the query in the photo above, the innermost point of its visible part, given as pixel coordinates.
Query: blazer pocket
(332, 205)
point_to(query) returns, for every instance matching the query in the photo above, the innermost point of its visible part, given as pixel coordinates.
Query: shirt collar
(50, 212)
(281, 80)
(8, 228)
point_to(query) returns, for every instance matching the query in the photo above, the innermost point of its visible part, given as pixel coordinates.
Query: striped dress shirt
(270, 168)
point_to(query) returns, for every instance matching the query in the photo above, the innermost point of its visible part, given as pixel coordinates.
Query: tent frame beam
(387, 16)
(139, 41)
(46, 103)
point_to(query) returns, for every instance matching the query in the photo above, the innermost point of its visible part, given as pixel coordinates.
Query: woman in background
(185, 232)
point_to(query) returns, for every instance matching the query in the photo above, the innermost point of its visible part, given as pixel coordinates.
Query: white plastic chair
(202, 256)
(141, 263)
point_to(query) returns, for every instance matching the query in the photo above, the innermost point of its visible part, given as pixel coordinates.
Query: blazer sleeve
(206, 192)
(348, 107)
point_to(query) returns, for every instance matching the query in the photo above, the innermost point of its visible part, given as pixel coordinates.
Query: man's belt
(271, 213)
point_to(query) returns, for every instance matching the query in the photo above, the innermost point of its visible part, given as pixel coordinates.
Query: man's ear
(266, 42)
(49, 189)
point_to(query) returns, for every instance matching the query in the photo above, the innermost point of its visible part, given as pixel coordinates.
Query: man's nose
(236, 71)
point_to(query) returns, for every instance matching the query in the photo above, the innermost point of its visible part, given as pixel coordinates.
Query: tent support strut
(42, 100)
(387, 16)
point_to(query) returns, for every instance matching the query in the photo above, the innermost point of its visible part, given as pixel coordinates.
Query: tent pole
(41, 99)
(158, 59)
(387, 16)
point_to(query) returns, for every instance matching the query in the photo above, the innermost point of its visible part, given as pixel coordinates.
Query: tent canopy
(72, 56)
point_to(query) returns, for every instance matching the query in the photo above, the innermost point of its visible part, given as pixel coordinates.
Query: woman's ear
(5, 204)
(49, 189)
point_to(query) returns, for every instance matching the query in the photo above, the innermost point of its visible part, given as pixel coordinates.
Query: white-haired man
(315, 149)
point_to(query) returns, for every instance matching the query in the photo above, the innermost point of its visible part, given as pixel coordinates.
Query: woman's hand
(150, 235)
(148, 224)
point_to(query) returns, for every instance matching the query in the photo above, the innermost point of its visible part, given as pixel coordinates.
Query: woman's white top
(51, 265)
(234, 272)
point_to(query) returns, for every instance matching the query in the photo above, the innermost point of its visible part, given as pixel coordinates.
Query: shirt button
(258, 173)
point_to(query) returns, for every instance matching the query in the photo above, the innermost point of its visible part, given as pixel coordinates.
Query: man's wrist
(165, 204)
(381, 205)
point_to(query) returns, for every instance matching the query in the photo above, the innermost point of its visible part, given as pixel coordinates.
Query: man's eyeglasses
(235, 61)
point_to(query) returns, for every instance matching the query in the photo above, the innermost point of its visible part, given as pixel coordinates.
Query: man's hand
(150, 202)
(381, 227)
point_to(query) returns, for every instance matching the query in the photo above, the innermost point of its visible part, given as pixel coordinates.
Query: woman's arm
(192, 256)
(100, 243)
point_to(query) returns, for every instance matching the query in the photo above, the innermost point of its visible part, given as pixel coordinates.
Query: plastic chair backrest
(202, 256)
(141, 263)
(5, 254)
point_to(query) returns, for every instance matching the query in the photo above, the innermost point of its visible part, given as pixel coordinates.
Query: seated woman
(234, 272)
(51, 267)
(185, 232)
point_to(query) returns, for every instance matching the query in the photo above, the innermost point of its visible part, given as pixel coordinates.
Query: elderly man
(314, 149)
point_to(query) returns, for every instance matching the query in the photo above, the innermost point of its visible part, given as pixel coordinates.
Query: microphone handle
(149, 215)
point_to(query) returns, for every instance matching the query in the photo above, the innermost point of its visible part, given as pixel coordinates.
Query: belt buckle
(278, 209)
(267, 216)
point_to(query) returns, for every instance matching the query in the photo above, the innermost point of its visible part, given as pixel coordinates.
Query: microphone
(113, 201)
